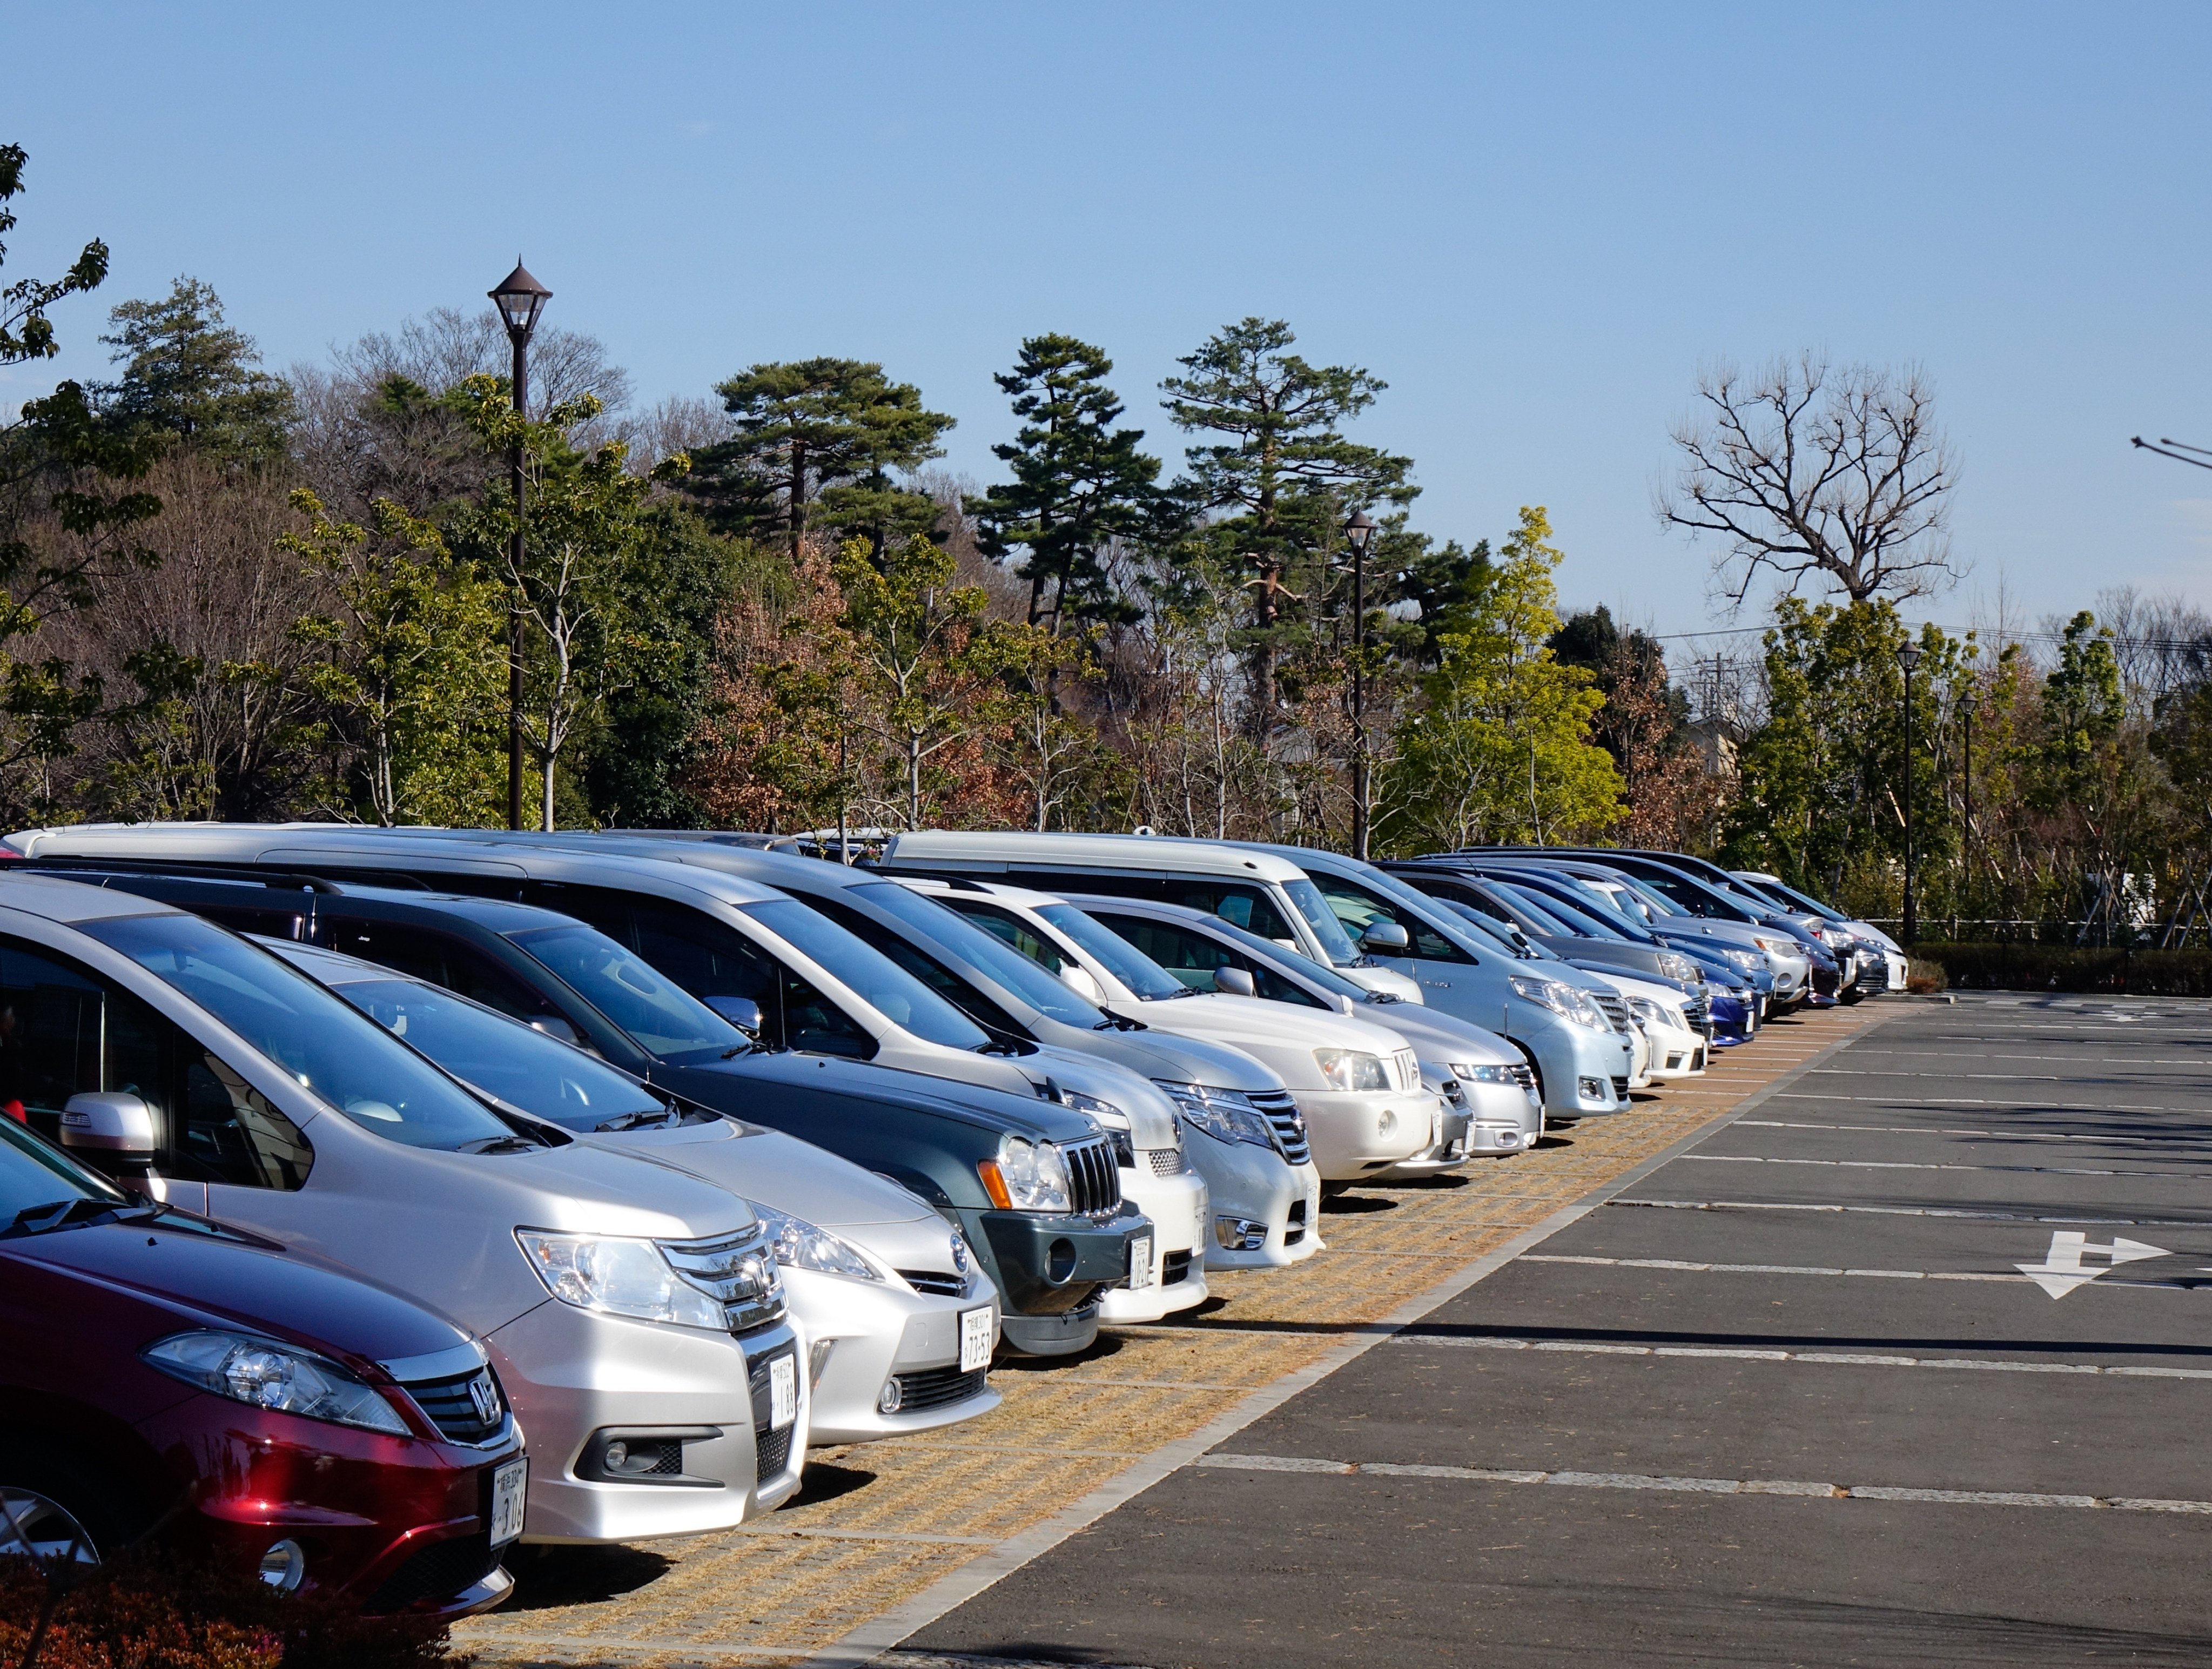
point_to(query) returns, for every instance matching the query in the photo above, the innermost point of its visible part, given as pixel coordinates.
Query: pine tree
(1079, 484)
(188, 374)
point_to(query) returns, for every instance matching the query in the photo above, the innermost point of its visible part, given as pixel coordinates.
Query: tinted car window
(1356, 906)
(659, 1015)
(989, 956)
(1002, 923)
(32, 1174)
(885, 986)
(63, 1030)
(1192, 958)
(345, 1059)
(500, 1056)
(1147, 978)
(443, 958)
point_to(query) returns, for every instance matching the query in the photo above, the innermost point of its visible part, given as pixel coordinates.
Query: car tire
(52, 1500)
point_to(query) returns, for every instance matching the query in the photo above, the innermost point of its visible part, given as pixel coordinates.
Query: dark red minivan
(164, 1376)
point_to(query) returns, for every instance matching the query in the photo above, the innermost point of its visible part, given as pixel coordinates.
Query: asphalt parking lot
(1906, 1364)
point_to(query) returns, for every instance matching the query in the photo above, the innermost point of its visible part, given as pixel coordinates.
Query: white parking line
(1684, 1265)
(1703, 1486)
(1938, 1130)
(1928, 1165)
(1970, 1214)
(1985, 1101)
(1824, 1358)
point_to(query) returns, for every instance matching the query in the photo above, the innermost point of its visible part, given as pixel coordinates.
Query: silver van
(632, 1312)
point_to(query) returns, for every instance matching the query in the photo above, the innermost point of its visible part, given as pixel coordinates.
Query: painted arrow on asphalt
(2061, 1270)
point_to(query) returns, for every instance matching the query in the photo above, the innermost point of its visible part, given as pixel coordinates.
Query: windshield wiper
(60, 1213)
(497, 1144)
(630, 1121)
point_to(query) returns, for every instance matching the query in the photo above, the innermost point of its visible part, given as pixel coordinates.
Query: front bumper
(1577, 1066)
(1677, 1053)
(1046, 1266)
(860, 1334)
(1356, 1133)
(1249, 1184)
(1175, 1275)
(571, 1373)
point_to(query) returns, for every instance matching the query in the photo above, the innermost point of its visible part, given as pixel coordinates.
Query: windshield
(661, 1016)
(873, 977)
(1539, 912)
(1301, 967)
(1600, 906)
(1147, 978)
(985, 953)
(502, 1056)
(338, 1054)
(32, 1174)
(1314, 908)
(1588, 926)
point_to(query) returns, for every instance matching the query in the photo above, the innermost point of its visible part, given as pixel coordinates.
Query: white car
(1674, 1048)
(898, 1318)
(1358, 1086)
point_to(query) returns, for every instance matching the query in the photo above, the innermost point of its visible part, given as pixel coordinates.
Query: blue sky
(1535, 223)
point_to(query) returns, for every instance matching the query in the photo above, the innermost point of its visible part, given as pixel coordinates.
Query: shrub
(2064, 968)
(149, 1611)
(1924, 977)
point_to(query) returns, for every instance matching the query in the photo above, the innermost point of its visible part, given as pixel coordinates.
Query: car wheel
(59, 1514)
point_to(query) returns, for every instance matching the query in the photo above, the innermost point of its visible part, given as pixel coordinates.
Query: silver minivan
(632, 1312)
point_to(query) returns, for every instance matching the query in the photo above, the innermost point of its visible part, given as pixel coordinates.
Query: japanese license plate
(782, 1391)
(975, 1339)
(1140, 1263)
(509, 1484)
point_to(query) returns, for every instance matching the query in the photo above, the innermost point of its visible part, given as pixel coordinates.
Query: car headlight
(798, 1243)
(1749, 961)
(1027, 1176)
(1675, 966)
(1223, 1114)
(1650, 1011)
(266, 1372)
(1779, 947)
(619, 1275)
(1350, 1069)
(1569, 1002)
(1484, 1074)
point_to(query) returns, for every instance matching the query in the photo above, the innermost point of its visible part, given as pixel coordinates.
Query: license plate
(509, 1484)
(782, 1391)
(1140, 1263)
(975, 1339)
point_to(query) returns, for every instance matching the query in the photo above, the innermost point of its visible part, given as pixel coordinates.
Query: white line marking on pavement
(1928, 1165)
(1985, 1101)
(2061, 1270)
(1822, 1358)
(1940, 1129)
(1914, 1211)
(1703, 1486)
(1763, 1269)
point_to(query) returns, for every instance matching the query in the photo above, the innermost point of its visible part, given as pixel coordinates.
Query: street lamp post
(1966, 783)
(1908, 657)
(519, 299)
(1358, 533)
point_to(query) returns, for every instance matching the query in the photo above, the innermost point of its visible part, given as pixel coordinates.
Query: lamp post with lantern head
(1358, 533)
(1908, 657)
(519, 299)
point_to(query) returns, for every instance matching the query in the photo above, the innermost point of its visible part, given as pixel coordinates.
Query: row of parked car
(335, 1160)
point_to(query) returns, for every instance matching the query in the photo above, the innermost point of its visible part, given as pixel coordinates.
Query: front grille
(1294, 1228)
(1167, 1161)
(1280, 1111)
(935, 1387)
(451, 1402)
(1093, 1181)
(935, 1280)
(1409, 1070)
(436, 1572)
(771, 1454)
(739, 1269)
(1616, 1006)
(1873, 973)
(1698, 1009)
(1174, 1267)
(1523, 1075)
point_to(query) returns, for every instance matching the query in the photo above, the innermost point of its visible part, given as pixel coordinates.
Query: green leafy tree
(25, 333)
(188, 374)
(1282, 476)
(413, 664)
(1079, 484)
(1501, 748)
(816, 442)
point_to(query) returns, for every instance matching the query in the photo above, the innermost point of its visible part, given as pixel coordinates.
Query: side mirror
(1080, 980)
(741, 1012)
(1235, 981)
(553, 1026)
(108, 1122)
(1388, 937)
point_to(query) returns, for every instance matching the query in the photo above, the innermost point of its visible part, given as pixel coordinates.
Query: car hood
(187, 1277)
(1442, 1039)
(1244, 1022)
(777, 1170)
(585, 1188)
(999, 1111)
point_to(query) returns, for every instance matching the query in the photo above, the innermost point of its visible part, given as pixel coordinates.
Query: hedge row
(2062, 968)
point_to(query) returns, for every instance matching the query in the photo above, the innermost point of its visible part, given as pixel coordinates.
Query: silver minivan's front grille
(1282, 1113)
(1523, 1075)
(739, 1269)
(1616, 1006)
(1409, 1070)
(1094, 1180)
